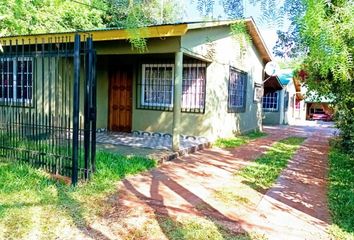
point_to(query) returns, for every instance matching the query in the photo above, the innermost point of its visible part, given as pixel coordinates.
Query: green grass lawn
(30, 201)
(263, 172)
(239, 140)
(341, 194)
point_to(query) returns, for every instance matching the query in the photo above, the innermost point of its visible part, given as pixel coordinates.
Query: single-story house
(272, 102)
(293, 104)
(194, 79)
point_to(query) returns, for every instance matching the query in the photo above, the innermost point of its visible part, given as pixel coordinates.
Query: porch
(152, 145)
(138, 93)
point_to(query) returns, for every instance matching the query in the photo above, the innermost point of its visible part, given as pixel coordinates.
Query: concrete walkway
(295, 208)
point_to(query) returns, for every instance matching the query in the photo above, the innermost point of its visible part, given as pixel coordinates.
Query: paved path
(295, 208)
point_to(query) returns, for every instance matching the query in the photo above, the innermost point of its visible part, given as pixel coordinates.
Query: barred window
(193, 87)
(237, 91)
(16, 77)
(270, 101)
(157, 85)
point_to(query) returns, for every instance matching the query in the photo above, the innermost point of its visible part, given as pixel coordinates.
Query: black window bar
(155, 86)
(237, 90)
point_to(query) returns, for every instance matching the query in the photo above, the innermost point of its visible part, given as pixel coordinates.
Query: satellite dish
(272, 68)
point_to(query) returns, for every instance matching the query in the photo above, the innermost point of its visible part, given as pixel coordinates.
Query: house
(273, 105)
(292, 104)
(193, 79)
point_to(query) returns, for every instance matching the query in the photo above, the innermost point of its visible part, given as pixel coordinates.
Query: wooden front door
(120, 99)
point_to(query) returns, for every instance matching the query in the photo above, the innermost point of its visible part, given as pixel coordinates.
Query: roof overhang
(258, 41)
(107, 34)
(299, 96)
(272, 84)
(157, 31)
(297, 84)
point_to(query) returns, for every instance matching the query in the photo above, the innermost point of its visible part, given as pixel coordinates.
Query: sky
(268, 33)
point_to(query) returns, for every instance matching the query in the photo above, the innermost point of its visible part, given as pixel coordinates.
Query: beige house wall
(225, 51)
(221, 50)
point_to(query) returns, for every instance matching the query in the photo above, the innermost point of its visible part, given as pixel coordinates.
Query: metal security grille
(155, 86)
(270, 102)
(237, 90)
(42, 82)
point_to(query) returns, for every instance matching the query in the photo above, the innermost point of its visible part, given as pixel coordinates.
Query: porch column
(281, 106)
(177, 98)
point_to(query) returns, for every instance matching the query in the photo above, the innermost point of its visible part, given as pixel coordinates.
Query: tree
(289, 43)
(327, 31)
(44, 16)
(38, 16)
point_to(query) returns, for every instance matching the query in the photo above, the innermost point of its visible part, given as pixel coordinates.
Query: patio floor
(157, 141)
(155, 146)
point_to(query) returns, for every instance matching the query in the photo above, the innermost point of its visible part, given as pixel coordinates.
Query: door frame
(115, 67)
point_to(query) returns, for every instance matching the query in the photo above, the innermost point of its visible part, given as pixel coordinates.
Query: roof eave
(258, 40)
(105, 35)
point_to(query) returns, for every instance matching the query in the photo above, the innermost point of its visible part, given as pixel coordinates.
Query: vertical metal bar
(87, 105)
(76, 102)
(93, 111)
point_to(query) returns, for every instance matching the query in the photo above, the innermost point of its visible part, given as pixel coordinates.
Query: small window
(237, 91)
(157, 85)
(286, 101)
(193, 87)
(297, 104)
(16, 80)
(270, 102)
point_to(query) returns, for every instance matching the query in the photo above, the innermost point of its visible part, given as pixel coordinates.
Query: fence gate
(48, 104)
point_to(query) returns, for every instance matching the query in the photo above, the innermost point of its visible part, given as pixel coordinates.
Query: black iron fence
(48, 104)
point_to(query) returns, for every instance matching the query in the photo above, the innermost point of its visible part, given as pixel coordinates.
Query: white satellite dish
(272, 69)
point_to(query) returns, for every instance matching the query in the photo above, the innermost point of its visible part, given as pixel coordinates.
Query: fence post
(89, 130)
(76, 103)
(93, 111)
(87, 104)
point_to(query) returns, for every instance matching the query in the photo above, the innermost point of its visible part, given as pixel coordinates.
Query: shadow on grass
(264, 171)
(173, 229)
(74, 209)
(23, 187)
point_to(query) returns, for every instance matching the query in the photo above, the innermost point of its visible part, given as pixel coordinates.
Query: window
(286, 101)
(297, 104)
(270, 101)
(193, 87)
(237, 91)
(317, 111)
(16, 80)
(156, 87)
